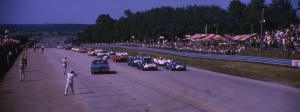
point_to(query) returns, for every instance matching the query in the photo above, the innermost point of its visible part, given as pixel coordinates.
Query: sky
(84, 11)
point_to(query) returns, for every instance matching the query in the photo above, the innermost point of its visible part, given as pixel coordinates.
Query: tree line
(174, 23)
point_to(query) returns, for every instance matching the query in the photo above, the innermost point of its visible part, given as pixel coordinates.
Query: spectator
(64, 65)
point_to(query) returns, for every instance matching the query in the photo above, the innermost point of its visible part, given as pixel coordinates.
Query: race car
(120, 58)
(161, 61)
(121, 53)
(147, 64)
(133, 61)
(174, 65)
(92, 53)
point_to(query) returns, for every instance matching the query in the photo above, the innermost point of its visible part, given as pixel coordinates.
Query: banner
(296, 63)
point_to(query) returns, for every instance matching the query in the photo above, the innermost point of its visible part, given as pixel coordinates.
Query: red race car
(120, 58)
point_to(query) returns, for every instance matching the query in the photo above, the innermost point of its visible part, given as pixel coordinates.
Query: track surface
(127, 89)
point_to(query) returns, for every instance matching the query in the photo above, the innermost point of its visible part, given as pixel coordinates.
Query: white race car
(161, 61)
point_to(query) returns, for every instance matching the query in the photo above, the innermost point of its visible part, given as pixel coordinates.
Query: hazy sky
(84, 11)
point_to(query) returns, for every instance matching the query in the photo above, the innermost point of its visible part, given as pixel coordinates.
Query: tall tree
(235, 9)
(281, 14)
(254, 13)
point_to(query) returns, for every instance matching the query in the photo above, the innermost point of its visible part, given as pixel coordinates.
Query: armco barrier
(271, 61)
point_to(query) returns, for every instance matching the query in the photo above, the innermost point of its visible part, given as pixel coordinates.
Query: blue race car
(173, 65)
(147, 64)
(99, 66)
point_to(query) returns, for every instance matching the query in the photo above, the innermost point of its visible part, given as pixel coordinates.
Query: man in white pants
(22, 73)
(64, 65)
(71, 75)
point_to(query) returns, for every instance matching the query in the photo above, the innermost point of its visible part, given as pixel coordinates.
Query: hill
(24, 28)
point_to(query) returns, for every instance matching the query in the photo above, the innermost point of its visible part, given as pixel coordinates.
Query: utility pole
(261, 31)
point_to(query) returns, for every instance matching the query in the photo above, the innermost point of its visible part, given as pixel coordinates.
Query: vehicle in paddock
(147, 64)
(161, 61)
(175, 65)
(99, 65)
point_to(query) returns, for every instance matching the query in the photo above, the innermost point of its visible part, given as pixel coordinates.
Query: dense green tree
(253, 13)
(235, 9)
(172, 22)
(281, 14)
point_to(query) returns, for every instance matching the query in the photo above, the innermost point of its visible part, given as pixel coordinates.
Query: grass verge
(270, 54)
(270, 73)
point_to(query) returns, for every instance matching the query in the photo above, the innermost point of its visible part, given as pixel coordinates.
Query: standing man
(24, 60)
(71, 75)
(34, 47)
(64, 65)
(43, 49)
(9, 57)
(22, 73)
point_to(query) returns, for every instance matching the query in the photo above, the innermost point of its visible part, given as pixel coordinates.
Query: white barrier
(296, 63)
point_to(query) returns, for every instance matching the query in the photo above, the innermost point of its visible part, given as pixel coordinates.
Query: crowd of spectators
(286, 40)
(9, 52)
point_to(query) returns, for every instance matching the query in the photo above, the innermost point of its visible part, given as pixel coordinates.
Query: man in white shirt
(64, 65)
(71, 75)
(22, 73)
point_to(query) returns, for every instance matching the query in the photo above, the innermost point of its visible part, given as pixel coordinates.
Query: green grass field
(270, 73)
(270, 54)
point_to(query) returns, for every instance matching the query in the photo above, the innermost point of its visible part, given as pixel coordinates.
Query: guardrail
(253, 59)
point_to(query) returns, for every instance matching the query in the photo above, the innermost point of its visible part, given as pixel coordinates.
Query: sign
(296, 63)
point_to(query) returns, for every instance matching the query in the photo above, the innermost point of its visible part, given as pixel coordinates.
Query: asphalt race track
(127, 89)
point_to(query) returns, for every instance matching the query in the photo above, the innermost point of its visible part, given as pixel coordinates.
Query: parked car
(147, 64)
(99, 66)
(175, 65)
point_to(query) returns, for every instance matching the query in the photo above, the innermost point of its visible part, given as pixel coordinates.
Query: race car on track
(174, 65)
(147, 64)
(120, 58)
(161, 61)
(92, 53)
(132, 61)
(99, 66)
